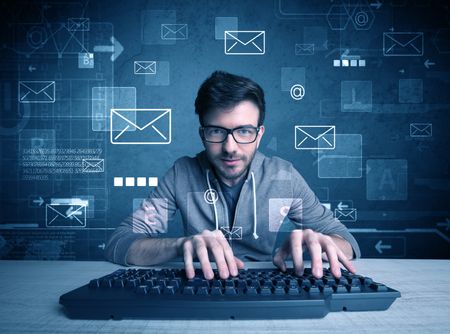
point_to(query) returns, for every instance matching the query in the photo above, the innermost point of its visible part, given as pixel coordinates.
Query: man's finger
(297, 251)
(331, 250)
(315, 251)
(280, 255)
(216, 249)
(202, 254)
(240, 264)
(346, 262)
(188, 254)
(229, 257)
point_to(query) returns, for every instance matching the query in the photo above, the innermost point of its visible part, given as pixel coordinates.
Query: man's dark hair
(224, 90)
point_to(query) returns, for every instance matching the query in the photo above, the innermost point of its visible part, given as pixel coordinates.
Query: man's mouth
(230, 162)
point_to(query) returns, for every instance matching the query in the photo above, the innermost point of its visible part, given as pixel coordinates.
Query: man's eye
(245, 132)
(215, 132)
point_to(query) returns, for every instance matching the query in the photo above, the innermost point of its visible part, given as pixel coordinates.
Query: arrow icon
(345, 53)
(379, 247)
(445, 224)
(402, 71)
(428, 63)
(39, 201)
(421, 146)
(341, 206)
(116, 48)
(31, 68)
(102, 246)
(376, 4)
(70, 212)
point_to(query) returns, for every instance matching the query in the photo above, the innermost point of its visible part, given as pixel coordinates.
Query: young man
(227, 196)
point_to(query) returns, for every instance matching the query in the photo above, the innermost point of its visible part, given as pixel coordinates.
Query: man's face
(231, 159)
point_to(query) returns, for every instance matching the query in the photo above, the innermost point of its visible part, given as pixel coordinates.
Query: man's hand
(316, 243)
(205, 244)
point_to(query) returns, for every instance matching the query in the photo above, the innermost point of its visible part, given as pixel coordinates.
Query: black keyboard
(253, 294)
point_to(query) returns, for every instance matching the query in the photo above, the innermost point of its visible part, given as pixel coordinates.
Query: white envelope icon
(421, 130)
(234, 233)
(141, 126)
(346, 214)
(93, 165)
(145, 67)
(403, 43)
(315, 137)
(245, 42)
(66, 212)
(78, 24)
(304, 49)
(174, 31)
(36, 91)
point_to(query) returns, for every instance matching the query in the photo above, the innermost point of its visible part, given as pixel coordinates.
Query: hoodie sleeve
(307, 212)
(149, 220)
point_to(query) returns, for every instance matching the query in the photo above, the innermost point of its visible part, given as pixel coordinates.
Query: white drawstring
(255, 221)
(216, 219)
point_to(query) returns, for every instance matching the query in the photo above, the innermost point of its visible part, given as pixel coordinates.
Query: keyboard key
(354, 288)
(229, 283)
(378, 287)
(156, 290)
(327, 289)
(106, 283)
(142, 290)
(119, 283)
(188, 290)
(94, 283)
(314, 290)
(279, 290)
(132, 283)
(230, 291)
(340, 288)
(170, 290)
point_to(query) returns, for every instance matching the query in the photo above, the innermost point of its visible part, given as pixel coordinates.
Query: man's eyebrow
(239, 126)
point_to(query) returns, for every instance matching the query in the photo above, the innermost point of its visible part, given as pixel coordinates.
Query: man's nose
(229, 145)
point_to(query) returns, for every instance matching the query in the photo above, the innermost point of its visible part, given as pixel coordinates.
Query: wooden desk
(30, 290)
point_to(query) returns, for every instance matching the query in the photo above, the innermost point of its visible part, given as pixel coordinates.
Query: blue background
(398, 182)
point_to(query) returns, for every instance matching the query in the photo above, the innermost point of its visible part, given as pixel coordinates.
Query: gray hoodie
(272, 192)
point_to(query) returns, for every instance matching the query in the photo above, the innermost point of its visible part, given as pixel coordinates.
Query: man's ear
(200, 133)
(260, 134)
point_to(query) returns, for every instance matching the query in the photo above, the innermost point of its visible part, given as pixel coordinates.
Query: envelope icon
(145, 67)
(304, 49)
(403, 43)
(93, 165)
(141, 126)
(174, 31)
(66, 212)
(346, 214)
(36, 91)
(315, 137)
(245, 42)
(78, 24)
(235, 233)
(421, 130)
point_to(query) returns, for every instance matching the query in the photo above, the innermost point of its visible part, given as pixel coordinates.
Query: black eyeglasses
(218, 134)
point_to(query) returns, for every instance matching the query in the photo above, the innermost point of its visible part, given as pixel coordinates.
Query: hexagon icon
(362, 17)
(338, 17)
(442, 41)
